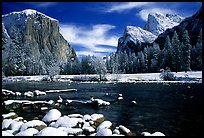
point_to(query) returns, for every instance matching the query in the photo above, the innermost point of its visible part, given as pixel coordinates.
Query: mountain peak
(28, 13)
(157, 22)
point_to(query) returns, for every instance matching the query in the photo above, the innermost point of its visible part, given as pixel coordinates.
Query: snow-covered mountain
(192, 24)
(133, 38)
(157, 23)
(31, 42)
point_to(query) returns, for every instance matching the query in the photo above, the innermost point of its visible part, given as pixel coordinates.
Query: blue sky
(94, 27)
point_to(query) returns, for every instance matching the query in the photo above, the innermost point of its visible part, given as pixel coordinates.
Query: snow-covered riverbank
(189, 77)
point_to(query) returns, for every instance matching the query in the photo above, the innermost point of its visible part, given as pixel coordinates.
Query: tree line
(177, 55)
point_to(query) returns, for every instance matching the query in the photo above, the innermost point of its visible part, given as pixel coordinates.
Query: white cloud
(119, 7)
(42, 4)
(144, 13)
(90, 38)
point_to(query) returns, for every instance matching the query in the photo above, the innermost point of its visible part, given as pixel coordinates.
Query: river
(174, 109)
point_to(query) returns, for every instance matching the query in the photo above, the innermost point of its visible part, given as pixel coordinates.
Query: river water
(173, 109)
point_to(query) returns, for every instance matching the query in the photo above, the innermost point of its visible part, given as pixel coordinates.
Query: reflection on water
(174, 109)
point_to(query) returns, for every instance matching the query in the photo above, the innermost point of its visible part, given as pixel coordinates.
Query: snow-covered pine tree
(176, 57)
(186, 51)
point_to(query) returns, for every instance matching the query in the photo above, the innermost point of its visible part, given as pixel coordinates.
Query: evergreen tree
(199, 49)
(141, 62)
(176, 57)
(167, 51)
(146, 58)
(186, 51)
(155, 57)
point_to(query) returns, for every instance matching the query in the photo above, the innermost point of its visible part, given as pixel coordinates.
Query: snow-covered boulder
(9, 115)
(86, 117)
(97, 118)
(7, 92)
(6, 123)
(50, 131)
(32, 123)
(104, 132)
(68, 122)
(71, 131)
(28, 132)
(15, 125)
(29, 94)
(75, 115)
(52, 115)
(124, 130)
(105, 124)
(37, 92)
(6, 133)
(99, 102)
(153, 134)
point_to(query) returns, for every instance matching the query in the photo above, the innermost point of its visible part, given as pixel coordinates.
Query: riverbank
(182, 77)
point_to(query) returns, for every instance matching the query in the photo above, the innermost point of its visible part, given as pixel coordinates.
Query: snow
(65, 121)
(71, 131)
(104, 132)
(122, 78)
(86, 117)
(137, 35)
(15, 125)
(8, 102)
(32, 123)
(157, 22)
(99, 102)
(28, 12)
(50, 131)
(6, 133)
(104, 124)
(90, 129)
(95, 116)
(37, 92)
(52, 115)
(75, 115)
(6, 123)
(66, 90)
(29, 94)
(28, 132)
(44, 108)
(8, 115)
(124, 129)
(153, 134)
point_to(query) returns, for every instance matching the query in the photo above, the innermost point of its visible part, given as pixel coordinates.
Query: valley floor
(189, 77)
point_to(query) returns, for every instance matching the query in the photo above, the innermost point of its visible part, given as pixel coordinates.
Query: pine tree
(186, 51)
(141, 61)
(167, 51)
(176, 57)
(199, 49)
(155, 57)
(146, 58)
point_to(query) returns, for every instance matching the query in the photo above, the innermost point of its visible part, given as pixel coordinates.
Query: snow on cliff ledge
(157, 23)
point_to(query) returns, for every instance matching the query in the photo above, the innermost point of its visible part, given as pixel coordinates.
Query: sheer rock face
(35, 36)
(133, 39)
(157, 23)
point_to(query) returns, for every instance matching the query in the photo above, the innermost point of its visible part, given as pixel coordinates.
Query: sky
(93, 28)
